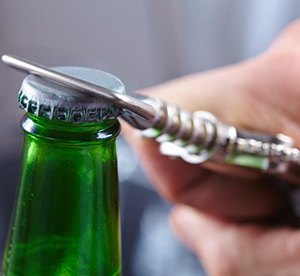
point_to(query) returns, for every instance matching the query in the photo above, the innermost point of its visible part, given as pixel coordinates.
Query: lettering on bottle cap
(52, 101)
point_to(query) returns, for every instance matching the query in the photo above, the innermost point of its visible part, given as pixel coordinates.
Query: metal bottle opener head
(196, 137)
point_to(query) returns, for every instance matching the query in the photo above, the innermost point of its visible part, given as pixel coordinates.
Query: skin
(237, 222)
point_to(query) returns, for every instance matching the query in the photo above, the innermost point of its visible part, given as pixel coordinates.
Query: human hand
(262, 94)
(227, 248)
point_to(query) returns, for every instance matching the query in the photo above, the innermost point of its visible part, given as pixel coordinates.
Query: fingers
(234, 198)
(238, 249)
(227, 195)
(168, 175)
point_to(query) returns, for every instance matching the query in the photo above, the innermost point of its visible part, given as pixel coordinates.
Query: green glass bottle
(66, 219)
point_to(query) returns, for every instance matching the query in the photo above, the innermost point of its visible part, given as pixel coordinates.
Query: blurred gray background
(143, 42)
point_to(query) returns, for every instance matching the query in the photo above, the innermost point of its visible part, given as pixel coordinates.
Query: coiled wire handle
(194, 136)
(199, 136)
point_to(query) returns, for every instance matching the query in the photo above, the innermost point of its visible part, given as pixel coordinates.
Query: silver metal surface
(140, 108)
(195, 137)
(50, 100)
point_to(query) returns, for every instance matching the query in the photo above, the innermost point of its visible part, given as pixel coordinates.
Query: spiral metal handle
(199, 136)
(193, 136)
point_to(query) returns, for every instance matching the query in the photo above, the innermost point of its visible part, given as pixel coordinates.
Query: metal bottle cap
(53, 101)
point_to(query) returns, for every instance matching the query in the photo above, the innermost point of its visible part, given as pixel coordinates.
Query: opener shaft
(195, 137)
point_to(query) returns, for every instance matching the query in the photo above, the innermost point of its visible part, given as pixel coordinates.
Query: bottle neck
(67, 214)
(68, 132)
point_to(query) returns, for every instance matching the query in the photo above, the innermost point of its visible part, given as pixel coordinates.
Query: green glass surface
(66, 218)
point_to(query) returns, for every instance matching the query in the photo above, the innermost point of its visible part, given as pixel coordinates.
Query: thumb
(227, 248)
